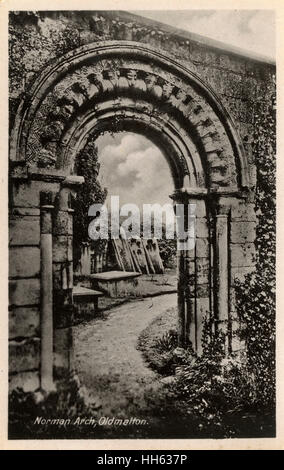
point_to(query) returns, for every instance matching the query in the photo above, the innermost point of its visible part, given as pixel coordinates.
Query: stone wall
(241, 82)
(25, 283)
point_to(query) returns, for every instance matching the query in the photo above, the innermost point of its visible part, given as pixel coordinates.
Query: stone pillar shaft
(186, 300)
(222, 265)
(63, 277)
(222, 276)
(181, 297)
(46, 370)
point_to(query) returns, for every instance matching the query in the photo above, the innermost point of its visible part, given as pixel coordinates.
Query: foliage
(221, 394)
(158, 349)
(168, 341)
(90, 192)
(168, 250)
(66, 402)
(217, 394)
(256, 296)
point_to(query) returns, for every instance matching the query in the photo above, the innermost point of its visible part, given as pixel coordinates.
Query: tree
(91, 192)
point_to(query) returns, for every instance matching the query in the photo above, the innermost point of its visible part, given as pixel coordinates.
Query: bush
(168, 341)
(218, 395)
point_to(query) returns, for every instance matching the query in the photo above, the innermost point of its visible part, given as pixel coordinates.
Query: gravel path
(109, 365)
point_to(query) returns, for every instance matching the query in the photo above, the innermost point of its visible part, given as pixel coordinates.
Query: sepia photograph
(142, 224)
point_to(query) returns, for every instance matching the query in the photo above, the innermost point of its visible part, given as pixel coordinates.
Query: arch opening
(129, 175)
(127, 87)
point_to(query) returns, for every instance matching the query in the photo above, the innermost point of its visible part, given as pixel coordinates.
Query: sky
(133, 168)
(252, 30)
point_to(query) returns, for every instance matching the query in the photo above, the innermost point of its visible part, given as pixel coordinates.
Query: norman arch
(121, 85)
(125, 80)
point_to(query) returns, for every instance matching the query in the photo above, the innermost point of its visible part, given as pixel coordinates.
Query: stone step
(85, 301)
(80, 292)
(116, 283)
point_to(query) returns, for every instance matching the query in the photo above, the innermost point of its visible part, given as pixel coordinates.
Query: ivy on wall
(256, 296)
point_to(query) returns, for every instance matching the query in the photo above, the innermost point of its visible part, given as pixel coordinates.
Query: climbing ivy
(256, 296)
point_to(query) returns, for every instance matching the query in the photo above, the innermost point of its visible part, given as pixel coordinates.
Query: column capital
(73, 181)
(184, 195)
(221, 204)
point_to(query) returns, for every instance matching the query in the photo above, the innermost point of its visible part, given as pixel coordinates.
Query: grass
(149, 343)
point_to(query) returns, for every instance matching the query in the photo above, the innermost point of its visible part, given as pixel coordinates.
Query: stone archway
(123, 79)
(120, 85)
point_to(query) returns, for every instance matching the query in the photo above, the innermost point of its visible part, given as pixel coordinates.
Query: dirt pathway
(107, 361)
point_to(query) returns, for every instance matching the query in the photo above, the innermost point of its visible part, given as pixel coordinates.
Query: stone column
(46, 363)
(181, 282)
(186, 272)
(63, 276)
(222, 266)
(221, 269)
(183, 292)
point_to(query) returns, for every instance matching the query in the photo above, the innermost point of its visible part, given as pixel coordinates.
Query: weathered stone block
(239, 273)
(85, 302)
(24, 230)
(202, 270)
(242, 232)
(24, 355)
(27, 194)
(63, 223)
(28, 381)
(200, 209)
(24, 292)
(202, 247)
(243, 211)
(232, 297)
(62, 249)
(24, 322)
(242, 255)
(63, 343)
(25, 212)
(202, 290)
(201, 228)
(235, 326)
(24, 261)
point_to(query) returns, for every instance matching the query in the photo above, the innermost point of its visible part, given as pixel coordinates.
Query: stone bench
(85, 301)
(117, 283)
